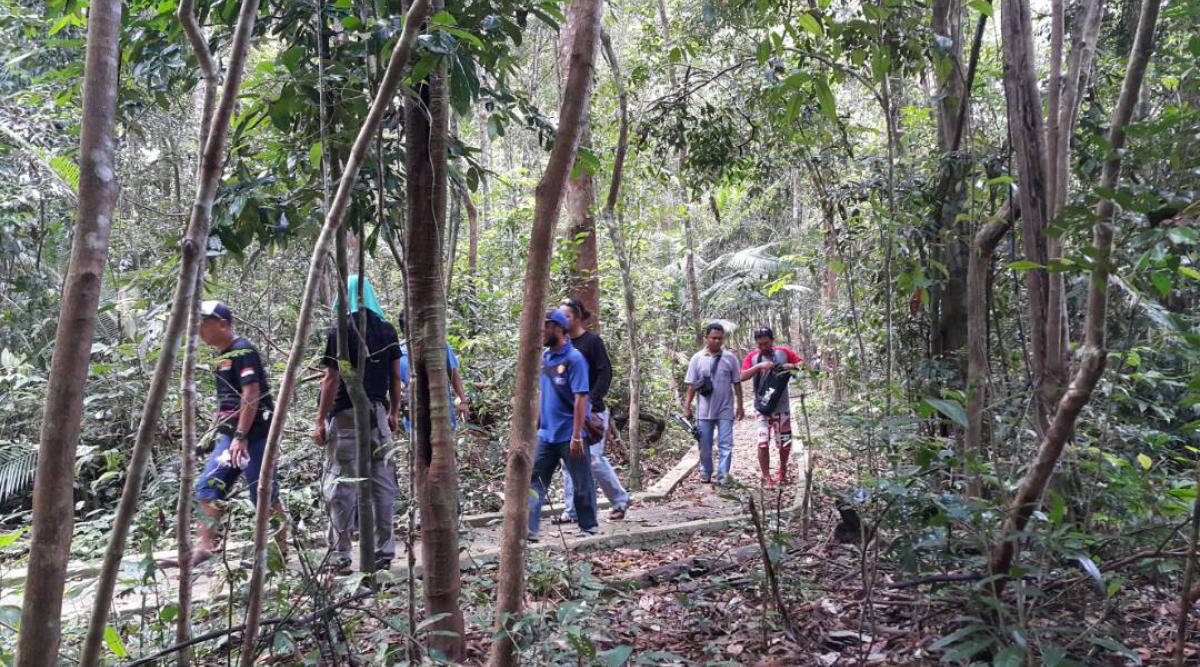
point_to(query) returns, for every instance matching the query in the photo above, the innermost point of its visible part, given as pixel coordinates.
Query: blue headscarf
(370, 301)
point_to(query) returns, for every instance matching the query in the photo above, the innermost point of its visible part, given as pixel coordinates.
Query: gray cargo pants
(341, 494)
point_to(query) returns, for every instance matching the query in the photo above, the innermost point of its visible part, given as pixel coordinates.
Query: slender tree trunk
(187, 466)
(53, 497)
(585, 17)
(472, 233)
(429, 397)
(624, 254)
(978, 383)
(580, 205)
(334, 219)
(191, 250)
(1025, 126)
(1094, 354)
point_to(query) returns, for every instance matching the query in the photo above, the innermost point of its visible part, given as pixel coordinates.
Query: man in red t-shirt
(770, 358)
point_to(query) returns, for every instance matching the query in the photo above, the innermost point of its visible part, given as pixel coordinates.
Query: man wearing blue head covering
(380, 373)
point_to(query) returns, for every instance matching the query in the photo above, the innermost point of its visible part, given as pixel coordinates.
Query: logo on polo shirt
(225, 364)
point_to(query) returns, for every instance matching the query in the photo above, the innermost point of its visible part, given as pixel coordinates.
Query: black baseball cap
(216, 309)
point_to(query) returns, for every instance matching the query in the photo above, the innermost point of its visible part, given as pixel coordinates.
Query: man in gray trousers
(335, 417)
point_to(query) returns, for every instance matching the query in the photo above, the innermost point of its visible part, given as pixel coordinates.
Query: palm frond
(18, 463)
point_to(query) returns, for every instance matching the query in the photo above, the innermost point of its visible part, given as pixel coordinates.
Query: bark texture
(585, 15)
(335, 217)
(1095, 353)
(429, 394)
(53, 498)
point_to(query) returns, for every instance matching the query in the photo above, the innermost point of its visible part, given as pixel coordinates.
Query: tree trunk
(1025, 126)
(472, 233)
(1095, 354)
(192, 247)
(581, 232)
(584, 16)
(334, 219)
(978, 382)
(429, 395)
(616, 234)
(187, 466)
(53, 498)
(950, 243)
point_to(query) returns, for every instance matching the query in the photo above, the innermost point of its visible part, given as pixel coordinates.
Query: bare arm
(330, 383)
(249, 409)
(687, 402)
(396, 394)
(460, 391)
(581, 409)
(737, 391)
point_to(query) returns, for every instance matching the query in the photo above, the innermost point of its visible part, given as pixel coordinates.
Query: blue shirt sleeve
(404, 364)
(451, 358)
(579, 375)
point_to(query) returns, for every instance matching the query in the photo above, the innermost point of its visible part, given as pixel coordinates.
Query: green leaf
(1010, 656)
(965, 651)
(1189, 272)
(113, 641)
(981, 6)
(315, 154)
(1053, 655)
(1162, 282)
(351, 23)
(615, 657)
(1023, 265)
(1145, 461)
(444, 18)
(8, 539)
(825, 96)
(811, 24)
(952, 410)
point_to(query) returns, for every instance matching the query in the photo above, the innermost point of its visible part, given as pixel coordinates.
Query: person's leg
(384, 487)
(605, 476)
(785, 445)
(215, 480)
(568, 513)
(725, 447)
(258, 447)
(341, 497)
(585, 489)
(764, 443)
(545, 463)
(706, 427)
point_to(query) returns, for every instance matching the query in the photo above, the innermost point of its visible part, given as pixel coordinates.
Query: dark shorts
(217, 480)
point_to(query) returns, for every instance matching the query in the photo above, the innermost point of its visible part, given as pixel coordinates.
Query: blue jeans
(602, 471)
(217, 479)
(544, 466)
(724, 427)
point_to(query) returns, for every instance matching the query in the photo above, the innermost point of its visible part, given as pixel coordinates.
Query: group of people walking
(573, 418)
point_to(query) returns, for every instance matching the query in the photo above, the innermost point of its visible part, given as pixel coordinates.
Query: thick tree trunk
(581, 228)
(950, 300)
(1028, 140)
(334, 219)
(429, 395)
(625, 262)
(187, 455)
(1095, 354)
(53, 498)
(192, 247)
(584, 15)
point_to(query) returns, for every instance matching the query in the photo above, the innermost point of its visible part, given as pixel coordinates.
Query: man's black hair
(764, 332)
(714, 326)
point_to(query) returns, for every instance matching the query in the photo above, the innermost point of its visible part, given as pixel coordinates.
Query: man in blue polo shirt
(564, 407)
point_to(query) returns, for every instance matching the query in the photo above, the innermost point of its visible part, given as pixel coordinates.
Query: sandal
(617, 514)
(562, 519)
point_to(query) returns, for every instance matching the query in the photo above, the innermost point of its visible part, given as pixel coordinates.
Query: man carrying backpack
(713, 375)
(770, 366)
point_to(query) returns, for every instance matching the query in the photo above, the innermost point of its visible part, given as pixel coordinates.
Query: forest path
(676, 507)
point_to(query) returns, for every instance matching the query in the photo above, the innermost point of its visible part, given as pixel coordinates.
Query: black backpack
(770, 390)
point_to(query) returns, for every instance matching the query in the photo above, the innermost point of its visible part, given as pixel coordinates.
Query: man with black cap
(563, 410)
(592, 348)
(771, 365)
(244, 407)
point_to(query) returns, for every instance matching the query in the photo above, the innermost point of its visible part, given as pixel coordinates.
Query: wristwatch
(239, 435)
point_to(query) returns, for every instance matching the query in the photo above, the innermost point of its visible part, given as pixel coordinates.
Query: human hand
(393, 422)
(239, 453)
(765, 365)
(318, 433)
(687, 412)
(576, 448)
(741, 413)
(464, 411)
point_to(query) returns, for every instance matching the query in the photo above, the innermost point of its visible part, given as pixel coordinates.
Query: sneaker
(704, 479)
(588, 532)
(339, 565)
(383, 563)
(617, 514)
(532, 537)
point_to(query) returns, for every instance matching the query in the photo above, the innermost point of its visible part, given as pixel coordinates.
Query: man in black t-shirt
(335, 417)
(244, 407)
